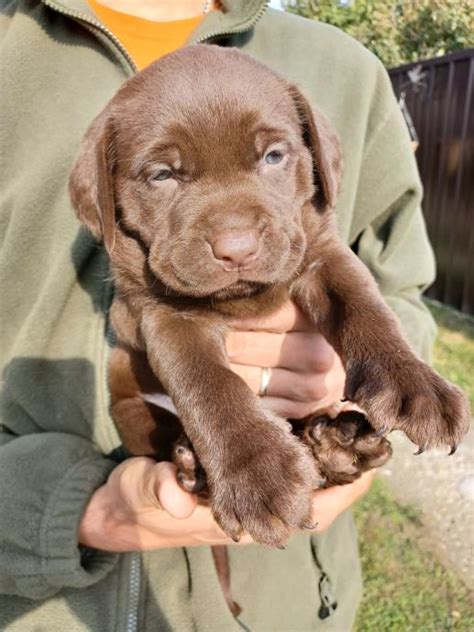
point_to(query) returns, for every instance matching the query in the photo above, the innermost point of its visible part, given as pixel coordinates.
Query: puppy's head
(208, 160)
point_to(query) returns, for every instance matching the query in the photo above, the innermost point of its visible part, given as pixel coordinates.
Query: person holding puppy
(70, 502)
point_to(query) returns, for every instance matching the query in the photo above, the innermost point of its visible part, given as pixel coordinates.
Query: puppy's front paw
(265, 486)
(411, 397)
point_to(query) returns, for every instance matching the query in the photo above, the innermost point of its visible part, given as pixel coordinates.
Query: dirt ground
(441, 487)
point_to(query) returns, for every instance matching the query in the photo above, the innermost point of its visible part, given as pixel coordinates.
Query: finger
(171, 496)
(301, 387)
(288, 318)
(297, 351)
(288, 408)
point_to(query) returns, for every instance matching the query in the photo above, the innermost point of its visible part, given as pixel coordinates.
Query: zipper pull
(328, 601)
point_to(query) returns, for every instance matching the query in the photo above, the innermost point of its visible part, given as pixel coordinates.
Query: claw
(235, 538)
(420, 450)
(380, 432)
(454, 447)
(282, 547)
(344, 399)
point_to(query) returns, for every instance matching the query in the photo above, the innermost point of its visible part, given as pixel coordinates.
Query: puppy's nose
(235, 248)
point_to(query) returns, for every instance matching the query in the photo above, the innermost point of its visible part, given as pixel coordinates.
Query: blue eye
(273, 157)
(163, 174)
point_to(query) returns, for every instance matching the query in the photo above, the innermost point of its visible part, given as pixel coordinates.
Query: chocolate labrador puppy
(212, 184)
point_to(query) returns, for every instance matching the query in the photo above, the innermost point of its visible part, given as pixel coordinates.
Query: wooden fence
(439, 96)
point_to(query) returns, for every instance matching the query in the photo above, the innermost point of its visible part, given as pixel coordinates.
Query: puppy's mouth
(186, 271)
(239, 289)
(229, 285)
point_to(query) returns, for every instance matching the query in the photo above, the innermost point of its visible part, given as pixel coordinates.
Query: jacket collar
(236, 16)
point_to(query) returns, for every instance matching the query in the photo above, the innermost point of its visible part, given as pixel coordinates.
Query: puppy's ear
(323, 143)
(91, 181)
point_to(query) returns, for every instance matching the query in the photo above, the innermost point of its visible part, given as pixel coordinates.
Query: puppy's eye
(273, 157)
(163, 174)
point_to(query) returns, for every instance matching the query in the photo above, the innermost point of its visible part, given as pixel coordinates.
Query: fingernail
(312, 526)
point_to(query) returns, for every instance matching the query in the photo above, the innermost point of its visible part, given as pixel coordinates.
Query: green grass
(405, 588)
(454, 347)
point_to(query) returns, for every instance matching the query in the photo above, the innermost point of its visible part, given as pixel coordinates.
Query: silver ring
(264, 381)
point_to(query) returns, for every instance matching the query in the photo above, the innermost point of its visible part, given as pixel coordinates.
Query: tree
(397, 31)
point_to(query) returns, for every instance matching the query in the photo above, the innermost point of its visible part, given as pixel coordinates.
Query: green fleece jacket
(59, 68)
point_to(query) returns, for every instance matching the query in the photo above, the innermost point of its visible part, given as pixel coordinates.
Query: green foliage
(397, 31)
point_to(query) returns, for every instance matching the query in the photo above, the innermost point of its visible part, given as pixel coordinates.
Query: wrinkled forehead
(212, 99)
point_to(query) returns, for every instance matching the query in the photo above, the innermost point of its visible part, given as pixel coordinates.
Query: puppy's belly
(143, 413)
(160, 399)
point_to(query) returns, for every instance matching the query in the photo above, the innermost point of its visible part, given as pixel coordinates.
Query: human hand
(306, 373)
(141, 507)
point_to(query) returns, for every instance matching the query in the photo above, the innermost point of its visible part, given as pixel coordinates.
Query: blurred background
(417, 524)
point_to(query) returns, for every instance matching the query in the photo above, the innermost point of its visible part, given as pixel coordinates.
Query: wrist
(100, 523)
(107, 526)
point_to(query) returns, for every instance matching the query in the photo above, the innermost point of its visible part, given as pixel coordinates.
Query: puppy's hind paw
(190, 473)
(344, 447)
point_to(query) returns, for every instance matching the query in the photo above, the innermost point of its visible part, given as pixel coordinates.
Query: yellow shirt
(145, 40)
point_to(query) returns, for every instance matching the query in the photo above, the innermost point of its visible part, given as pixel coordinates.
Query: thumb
(177, 502)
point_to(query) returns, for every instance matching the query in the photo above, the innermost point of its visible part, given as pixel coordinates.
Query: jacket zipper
(134, 584)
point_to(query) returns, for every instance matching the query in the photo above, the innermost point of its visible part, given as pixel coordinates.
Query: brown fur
(210, 115)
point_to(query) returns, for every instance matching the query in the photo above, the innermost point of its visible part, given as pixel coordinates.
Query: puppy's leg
(221, 561)
(192, 478)
(384, 377)
(147, 430)
(263, 486)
